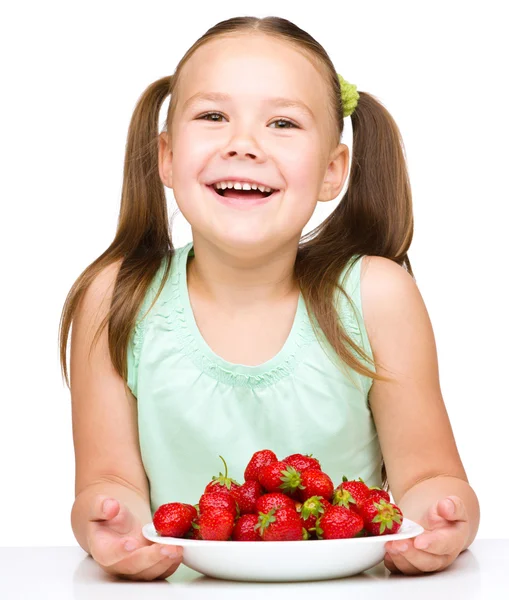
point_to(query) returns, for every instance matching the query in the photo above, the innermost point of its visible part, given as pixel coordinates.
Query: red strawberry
(311, 510)
(244, 530)
(301, 462)
(280, 524)
(350, 493)
(218, 500)
(194, 530)
(274, 500)
(379, 493)
(280, 477)
(246, 496)
(380, 517)
(193, 509)
(258, 460)
(315, 483)
(223, 483)
(216, 524)
(338, 522)
(173, 519)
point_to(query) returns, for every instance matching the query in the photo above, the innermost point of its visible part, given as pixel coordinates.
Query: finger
(413, 561)
(144, 558)
(403, 565)
(102, 508)
(445, 540)
(389, 564)
(452, 508)
(165, 567)
(108, 547)
(110, 513)
(434, 519)
(171, 570)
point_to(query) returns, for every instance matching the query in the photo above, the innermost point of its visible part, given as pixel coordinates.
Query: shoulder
(391, 300)
(100, 290)
(383, 279)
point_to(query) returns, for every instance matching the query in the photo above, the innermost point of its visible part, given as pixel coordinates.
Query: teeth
(239, 185)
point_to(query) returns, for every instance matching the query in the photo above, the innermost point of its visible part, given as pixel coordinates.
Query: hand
(446, 532)
(110, 527)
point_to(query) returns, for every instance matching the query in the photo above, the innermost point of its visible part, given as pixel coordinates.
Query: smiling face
(249, 135)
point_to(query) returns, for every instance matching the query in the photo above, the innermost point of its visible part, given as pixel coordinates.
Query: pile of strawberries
(281, 500)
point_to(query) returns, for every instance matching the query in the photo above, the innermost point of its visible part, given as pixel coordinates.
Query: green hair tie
(349, 96)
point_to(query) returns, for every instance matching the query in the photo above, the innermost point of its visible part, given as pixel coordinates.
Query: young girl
(251, 337)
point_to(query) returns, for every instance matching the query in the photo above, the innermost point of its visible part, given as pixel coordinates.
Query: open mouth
(247, 194)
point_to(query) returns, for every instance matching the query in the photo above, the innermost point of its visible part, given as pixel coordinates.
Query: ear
(336, 174)
(165, 160)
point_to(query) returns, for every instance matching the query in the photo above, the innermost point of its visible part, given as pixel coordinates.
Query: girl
(250, 336)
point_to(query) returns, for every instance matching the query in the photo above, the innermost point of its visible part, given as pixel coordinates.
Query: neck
(239, 283)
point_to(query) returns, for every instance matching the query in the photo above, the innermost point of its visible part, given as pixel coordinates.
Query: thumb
(434, 517)
(109, 512)
(452, 508)
(103, 508)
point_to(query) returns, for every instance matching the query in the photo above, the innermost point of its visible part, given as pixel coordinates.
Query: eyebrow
(278, 101)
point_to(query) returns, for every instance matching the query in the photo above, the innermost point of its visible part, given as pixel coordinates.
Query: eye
(276, 121)
(284, 121)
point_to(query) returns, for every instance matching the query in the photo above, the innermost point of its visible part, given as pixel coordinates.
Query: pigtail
(378, 203)
(374, 217)
(142, 237)
(143, 220)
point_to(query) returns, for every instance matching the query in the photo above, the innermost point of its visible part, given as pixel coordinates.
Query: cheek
(303, 209)
(301, 166)
(189, 159)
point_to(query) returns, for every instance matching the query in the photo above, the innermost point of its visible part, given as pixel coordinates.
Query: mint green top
(194, 406)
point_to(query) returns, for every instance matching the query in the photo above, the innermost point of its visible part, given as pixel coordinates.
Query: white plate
(306, 560)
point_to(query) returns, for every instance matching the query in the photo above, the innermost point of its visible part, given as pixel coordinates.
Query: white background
(71, 75)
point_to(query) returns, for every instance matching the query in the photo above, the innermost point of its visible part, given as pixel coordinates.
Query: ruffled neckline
(193, 344)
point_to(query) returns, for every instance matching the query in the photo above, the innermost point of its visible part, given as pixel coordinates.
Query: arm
(104, 418)
(422, 460)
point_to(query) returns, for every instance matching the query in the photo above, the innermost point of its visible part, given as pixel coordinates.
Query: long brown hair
(374, 217)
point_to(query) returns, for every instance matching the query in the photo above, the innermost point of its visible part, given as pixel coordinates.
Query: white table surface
(67, 572)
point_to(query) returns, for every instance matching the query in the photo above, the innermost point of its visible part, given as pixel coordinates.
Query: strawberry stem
(225, 467)
(265, 519)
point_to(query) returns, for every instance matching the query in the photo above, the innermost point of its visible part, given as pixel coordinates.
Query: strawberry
(350, 493)
(379, 493)
(380, 517)
(301, 462)
(338, 522)
(173, 519)
(280, 524)
(311, 510)
(194, 531)
(280, 477)
(223, 483)
(244, 530)
(246, 496)
(273, 500)
(193, 509)
(218, 500)
(315, 483)
(258, 460)
(216, 524)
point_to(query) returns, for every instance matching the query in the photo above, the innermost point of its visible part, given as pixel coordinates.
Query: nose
(243, 146)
